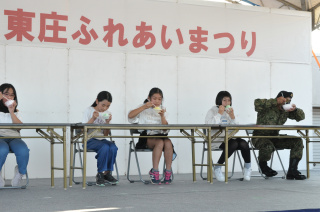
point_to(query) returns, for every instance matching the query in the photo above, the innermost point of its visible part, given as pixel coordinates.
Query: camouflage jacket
(269, 114)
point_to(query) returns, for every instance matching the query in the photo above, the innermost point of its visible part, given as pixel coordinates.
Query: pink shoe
(154, 176)
(167, 177)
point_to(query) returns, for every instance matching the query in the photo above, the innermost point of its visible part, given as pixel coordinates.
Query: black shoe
(100, 179)
(293, 173)
(266, 170)
(296, 175)
(273, 172)
(110, 179)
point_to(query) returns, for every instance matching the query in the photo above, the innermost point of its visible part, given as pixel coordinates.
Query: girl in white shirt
(106, 150)
(152, 112)
(222, 113)
(9, 114)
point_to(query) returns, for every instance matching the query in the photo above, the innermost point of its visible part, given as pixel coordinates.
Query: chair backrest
(134, 131)
(78, 148)
(249, 132)
(213, 148)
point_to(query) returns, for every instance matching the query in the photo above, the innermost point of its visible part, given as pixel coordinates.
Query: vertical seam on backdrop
(5, 62)
(270, 80)
(225, 74)
(177, 107)
(125, 103)
(68, 82)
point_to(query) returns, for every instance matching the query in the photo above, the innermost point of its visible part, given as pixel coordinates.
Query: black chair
(133, 149)
(79, 150)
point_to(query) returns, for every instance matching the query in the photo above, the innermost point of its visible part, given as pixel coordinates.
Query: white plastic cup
(287, 107)
(9, 102)
(157, 109)
(105, 115)
(228, 108)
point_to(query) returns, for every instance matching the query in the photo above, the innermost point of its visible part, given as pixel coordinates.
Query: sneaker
(16, 181)
(110, 179)
(219, 175)
(2, 182)
(100, 179)
(247, 174)
(154, 177)
(167, 177)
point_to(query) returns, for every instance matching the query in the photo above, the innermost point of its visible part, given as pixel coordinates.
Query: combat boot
(293, 173)
(266, 170)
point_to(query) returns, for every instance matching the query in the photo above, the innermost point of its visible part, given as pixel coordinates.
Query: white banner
(158, 27)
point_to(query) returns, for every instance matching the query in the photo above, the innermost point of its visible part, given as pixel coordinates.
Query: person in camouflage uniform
(271, 112)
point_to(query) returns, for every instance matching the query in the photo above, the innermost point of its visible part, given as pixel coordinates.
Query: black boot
(293, 173)
(266, 170)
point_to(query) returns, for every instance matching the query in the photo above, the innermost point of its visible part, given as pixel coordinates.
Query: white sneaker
(2, 182)
(219, 175)
(247, 174)
(16, 181)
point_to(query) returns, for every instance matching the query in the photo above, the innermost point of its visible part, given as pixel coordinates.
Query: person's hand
(12, 107)
(293, 108)
(109, 119)
(221, 109)
(230, 111)
(161, 113)
(95, 115)
(281, 100)
(148, 105)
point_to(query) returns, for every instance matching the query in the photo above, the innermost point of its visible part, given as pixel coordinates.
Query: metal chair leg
(133, 149)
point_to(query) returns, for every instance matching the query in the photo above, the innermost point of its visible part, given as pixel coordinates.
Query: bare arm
(136, 112)
(163, 118)
(14, 118)
(106, 132)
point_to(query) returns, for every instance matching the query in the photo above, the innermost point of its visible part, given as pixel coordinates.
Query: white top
(87, 115)
(149, 116)
(6, 118)
(214, 117)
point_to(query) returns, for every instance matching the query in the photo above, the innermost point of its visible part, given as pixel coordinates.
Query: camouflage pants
(265, 146)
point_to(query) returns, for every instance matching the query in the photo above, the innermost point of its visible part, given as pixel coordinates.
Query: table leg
(52, 160)
(71, 159)
(85, 138)
(307, 152)
(193, 156)
(226, 139)
(64, 159)
(209, 172)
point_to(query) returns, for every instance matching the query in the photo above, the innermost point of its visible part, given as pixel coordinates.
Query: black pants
(233, 145)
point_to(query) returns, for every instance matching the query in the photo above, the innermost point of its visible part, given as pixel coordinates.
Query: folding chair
(22, 186)
(79, 150)
(205, 148)
(249, 133)
(132, 148)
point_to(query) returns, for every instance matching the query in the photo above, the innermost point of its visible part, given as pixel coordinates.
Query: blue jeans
(106, 153)
(19, 148)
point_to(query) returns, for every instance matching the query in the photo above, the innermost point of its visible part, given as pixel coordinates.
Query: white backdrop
(56, 82)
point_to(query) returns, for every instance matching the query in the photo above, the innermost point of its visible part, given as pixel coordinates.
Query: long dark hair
(3, 88)
(221, 95)
(154, 91)
(103, 95)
